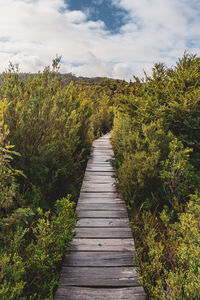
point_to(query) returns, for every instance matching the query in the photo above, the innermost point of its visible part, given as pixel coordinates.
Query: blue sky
(112, 38)
(112, 15)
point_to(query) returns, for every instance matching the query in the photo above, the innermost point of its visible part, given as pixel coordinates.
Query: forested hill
(68, 77)
(47, 125)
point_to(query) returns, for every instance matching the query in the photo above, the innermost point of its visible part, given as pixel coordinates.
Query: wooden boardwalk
(100, 263)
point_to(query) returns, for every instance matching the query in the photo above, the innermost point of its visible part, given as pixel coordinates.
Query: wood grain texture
(101, 152)
(99, 277)
(99, 168)
(84, 244)
(99, 200)
(98, 187)
(102, 214)
(93, 222)
(99, 179)
(101, 206)
(99, 195)
(81, 293)
(103, 161)
(122, 232)
(102, 173)
(99, 159)
(99, 259)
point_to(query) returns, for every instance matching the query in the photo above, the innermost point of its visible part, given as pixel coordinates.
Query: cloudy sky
(113, 38)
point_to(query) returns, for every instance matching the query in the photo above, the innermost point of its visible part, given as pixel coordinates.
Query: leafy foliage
(52, 126)
(156, 143)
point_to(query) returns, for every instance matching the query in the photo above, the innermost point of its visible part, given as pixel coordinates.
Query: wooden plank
(98, 142)
(98, 187)
(101, 206)
(93, 173)
(101, 142)
(98, 176)
(102, 145)
(84, 222)
(94, 162)
(99, 179)
(98, 195)
(101, 214)
(97, 173)
(83, 244)
(102, 148)
(99, 277)
(102, 185)
(99, 259)
(99, 168)
(97, 164)
(100, 200)
(114, 232)
(102, 152)
(83, 293)
(99, 159)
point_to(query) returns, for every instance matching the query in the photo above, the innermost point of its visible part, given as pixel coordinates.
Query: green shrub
(169, 252)
(52, 125)
(156, 143)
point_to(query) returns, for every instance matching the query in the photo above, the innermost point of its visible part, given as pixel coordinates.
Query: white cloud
(33, 32)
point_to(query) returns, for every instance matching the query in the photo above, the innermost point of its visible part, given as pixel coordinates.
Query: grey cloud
(32, 32)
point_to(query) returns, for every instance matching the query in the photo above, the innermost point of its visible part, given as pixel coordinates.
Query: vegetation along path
(100, 264)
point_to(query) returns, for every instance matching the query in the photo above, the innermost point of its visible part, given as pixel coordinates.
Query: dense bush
(51, 125)
(31, 241)
(156, 142)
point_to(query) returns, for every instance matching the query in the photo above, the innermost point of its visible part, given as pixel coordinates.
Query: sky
(111, 38)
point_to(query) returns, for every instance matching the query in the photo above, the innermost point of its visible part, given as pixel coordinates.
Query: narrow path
(99, 265)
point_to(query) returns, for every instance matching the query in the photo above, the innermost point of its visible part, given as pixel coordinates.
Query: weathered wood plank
(83, 244)
(105, 185)
(101, 206)
(94, 163)
(101, 200)
(82, 293)
(102, 214)
(98, 142)
(84, 222)
(99, 168)
(102, 152)
(99, 277)
(99, 179)
(102, 148)
(99, 195)
(102, 157)
(114, 232)
(103, 165)
(99, 159)
(93, 173)
(98, 187)
(99, 259)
